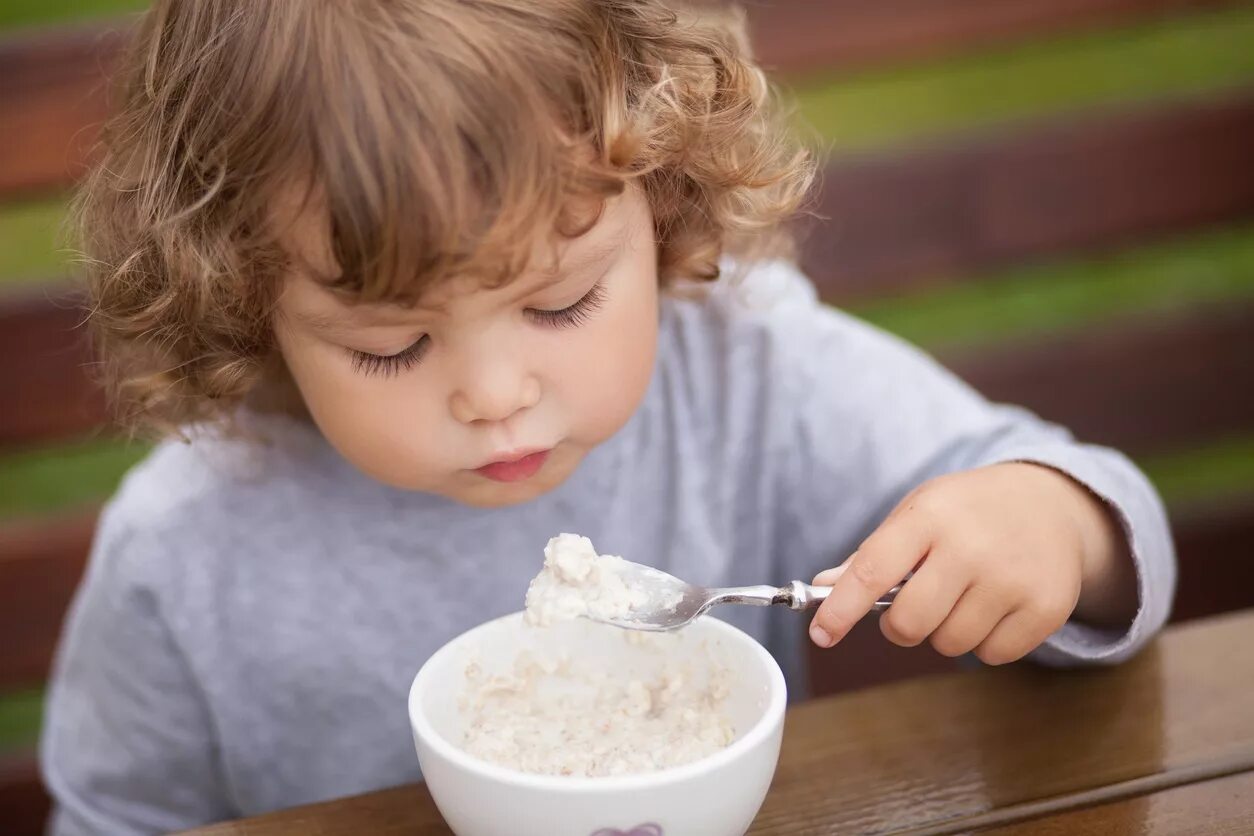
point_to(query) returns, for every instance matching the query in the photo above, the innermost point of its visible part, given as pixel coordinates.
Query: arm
(127, 743)
(876, 420)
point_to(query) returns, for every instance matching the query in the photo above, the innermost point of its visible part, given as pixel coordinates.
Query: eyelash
(389, 365)
(574, 315)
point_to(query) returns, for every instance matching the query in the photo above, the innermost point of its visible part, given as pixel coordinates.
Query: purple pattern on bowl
(639, 830)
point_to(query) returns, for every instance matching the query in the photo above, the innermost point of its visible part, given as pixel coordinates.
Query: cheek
(611, 368)
(370, 422)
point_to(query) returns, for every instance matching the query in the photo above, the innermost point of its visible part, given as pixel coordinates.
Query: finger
(1021, 632)
(1011, 640)
(972, 619)
(880, 563)
(924, 602)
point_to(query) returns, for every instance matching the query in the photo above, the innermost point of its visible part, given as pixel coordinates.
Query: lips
(515, 469)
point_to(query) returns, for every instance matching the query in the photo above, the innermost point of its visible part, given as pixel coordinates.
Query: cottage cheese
(576, 581)
(549, 718)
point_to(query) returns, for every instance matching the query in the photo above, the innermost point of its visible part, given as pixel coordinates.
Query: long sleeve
(875, 417)
(127, 745)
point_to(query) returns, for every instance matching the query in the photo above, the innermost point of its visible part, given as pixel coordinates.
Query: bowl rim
(772, 717)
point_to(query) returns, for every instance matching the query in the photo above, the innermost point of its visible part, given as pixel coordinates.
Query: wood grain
(947, 748)
(1109, 793)
(803, 36)
(1156, 383)
(402, 811)
(897, 220)
(1222, 806)
(938, 753)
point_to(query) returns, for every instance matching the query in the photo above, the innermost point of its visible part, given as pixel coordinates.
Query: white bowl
(717, 795)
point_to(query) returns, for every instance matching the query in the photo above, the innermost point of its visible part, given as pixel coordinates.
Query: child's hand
(1003, 556)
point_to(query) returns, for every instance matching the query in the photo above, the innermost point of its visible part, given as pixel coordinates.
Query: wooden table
(1164, 744)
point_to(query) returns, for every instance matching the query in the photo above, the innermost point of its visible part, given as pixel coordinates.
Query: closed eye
(574, 315)
(388, 365)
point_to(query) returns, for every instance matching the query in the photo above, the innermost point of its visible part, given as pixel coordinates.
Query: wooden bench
(893, 223)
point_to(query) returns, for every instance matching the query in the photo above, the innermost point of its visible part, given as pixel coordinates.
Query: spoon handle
(804, 596)
(795, 596)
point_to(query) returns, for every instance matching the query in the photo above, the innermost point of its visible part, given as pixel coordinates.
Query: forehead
(305, 234)
(555, 264)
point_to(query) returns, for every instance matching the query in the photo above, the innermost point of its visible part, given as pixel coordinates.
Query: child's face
(438, 397)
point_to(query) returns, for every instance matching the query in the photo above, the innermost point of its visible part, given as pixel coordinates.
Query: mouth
(515, 467)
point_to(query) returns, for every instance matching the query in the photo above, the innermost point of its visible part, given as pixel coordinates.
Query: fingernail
(828, 576)
(820, 636)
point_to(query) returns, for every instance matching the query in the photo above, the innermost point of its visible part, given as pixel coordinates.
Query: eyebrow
(564, 268)
(337, 323)
(560, 270)
(346, 321)
(591, 255)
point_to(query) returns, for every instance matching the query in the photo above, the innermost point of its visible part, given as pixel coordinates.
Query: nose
(493, 391)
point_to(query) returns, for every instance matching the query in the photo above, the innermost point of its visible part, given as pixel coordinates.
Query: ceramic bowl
(718, 795)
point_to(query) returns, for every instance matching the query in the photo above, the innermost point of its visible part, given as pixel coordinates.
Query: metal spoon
(673, 603)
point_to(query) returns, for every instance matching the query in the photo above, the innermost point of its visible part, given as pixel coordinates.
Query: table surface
(1162, 744)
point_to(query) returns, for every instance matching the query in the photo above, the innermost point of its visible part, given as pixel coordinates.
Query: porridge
(576, 581)
(547, 717)
(551, 715)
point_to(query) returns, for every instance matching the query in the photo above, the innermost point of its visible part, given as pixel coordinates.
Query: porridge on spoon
(576, 581)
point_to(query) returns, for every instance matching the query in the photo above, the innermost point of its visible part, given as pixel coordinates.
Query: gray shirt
(254, 611)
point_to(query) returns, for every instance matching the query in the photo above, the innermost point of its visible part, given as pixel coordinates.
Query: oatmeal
(557, 716)
(576, 581)
(548, 717)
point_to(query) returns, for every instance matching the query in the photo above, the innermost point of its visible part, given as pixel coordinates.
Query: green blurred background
(1194, 55)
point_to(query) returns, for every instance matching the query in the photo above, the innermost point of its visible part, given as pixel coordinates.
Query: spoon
(673, 603)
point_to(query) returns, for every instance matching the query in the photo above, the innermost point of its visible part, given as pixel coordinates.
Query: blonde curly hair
(439, 136)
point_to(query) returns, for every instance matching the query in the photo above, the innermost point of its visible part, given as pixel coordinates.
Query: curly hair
(439, 135)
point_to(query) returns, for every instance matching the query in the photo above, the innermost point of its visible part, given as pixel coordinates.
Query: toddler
(410, 287)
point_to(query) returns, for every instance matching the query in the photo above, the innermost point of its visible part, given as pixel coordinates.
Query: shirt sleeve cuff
(1116, 481)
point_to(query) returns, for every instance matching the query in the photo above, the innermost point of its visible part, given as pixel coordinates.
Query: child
(407, 276)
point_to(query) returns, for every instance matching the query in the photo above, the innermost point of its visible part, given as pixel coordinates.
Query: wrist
(1108, 592)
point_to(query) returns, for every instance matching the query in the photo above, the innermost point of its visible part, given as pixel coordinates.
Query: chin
(503, 495)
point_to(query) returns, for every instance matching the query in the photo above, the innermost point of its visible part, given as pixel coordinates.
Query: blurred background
(1057, 198)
